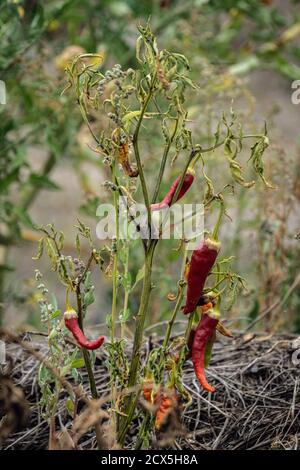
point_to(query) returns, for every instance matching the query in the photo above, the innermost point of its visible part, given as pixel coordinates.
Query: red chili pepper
(204, 332)
(148, 389)
(202, 261)
(204, 308)
(168, 403)
(168, 199)
(71, 322)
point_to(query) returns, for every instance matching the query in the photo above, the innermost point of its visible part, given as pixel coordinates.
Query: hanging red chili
(204, 308)
(71, 322)
(168, 199)
(202, 261)
(204, 333)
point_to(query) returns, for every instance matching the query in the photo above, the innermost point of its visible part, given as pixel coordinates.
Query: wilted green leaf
(40, 249)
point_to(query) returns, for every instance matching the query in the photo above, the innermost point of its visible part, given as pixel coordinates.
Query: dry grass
(256, 406)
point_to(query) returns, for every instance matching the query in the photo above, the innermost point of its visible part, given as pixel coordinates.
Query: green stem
(174, 314)
(183, 350)
(3, 261)
(215, 234)
(89, 368)
(126, 294)
(114, 291)
(172, 320)
(130, 400)
(191, 156)
(163, 162)
(143, 432)
(137, 153)
(115, 263)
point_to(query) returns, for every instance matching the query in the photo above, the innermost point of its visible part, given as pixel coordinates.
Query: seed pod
(71, 322)
(202, 261)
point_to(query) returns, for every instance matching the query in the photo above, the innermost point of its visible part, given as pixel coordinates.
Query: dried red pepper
(202, 261)
(151, 391)
(168, 403)
(168, 199)
(203, 336)
(125, 162)
(71, 322)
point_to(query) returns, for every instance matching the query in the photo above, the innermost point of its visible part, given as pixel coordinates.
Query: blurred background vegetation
(245, 52)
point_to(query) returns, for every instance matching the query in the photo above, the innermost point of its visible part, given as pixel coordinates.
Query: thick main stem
(130, 400)
(114, 290)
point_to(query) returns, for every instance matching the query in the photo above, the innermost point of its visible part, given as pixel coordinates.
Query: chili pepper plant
(148, 388)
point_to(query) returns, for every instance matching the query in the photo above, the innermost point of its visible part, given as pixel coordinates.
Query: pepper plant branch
(188, 162)
(88, 366)
(164, 160)
(136, 149)
(131, 216)
(115, 255)
(114, 284)
(86, 354)
(126, 293)
(219, 144)
(181, 285)
(87, 267)
(138, 337)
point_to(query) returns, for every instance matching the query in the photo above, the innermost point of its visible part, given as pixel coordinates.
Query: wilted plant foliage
(132, 100)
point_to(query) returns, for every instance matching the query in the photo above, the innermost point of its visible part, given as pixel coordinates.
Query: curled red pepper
(71, 322)
(202, 261)
(168, 199)
(204, 332)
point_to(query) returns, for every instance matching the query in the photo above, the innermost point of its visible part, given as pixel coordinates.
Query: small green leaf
(124, 316)
(61, 240)
(78, 245)
(77, 363)
(42, 181)
(24, 217)
(257, 151)
(89, 298)
(140, 275)
(70, 406)
(55, 314)
(40, 249)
